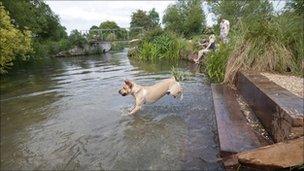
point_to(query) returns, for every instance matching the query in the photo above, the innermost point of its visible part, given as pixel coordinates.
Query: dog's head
(175, 90)
(126, 88)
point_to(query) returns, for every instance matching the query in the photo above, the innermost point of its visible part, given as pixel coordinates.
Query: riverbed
(67, 114)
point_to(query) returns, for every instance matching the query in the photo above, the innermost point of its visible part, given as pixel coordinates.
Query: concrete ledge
(235, 134)
(280, 111)
(279, 155)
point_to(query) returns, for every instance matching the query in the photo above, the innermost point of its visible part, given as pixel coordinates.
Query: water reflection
(67, 114)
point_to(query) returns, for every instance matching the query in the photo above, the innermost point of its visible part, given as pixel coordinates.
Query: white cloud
(82, 15)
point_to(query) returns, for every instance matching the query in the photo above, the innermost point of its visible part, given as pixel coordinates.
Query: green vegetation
(259, 40)
(180, 75)
(34, 31)
(14, 43)
(143, 20)
(185, 18)
(77, 39)
(159, 45)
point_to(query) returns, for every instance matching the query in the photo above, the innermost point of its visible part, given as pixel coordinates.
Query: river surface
(67, 114)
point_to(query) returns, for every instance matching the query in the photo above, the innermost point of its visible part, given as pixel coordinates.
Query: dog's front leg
(138, 103)
(134, 110)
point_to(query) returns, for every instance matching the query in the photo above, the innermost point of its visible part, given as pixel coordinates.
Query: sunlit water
(67, 114)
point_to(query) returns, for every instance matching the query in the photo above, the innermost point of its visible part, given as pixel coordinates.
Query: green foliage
(244, 10)
(154, 17)
(37, 17)
(215, 63)
(160, 45)
(180, 75)
(77, 39)
(142, 19)
(259, 40)
(117, 46)
(185, 17)
(14, 43)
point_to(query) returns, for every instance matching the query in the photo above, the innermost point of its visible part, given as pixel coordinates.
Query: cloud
(82, 15)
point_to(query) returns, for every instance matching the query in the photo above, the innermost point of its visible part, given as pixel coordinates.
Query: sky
(82, 15)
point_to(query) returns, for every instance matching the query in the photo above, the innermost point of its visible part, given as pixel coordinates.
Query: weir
(278, 111)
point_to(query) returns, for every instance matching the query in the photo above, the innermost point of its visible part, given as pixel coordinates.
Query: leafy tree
(94, 27)
(185, 17)
(140, 19)
(36, 16)
(76, 39)
(245, 10)
(108, 25)
(13, 42)
(147, 21)
(119, 33)
(154, 17)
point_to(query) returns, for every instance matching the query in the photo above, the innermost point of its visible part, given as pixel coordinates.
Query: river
(67, 114)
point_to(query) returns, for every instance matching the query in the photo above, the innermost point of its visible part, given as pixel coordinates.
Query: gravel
(292, 83)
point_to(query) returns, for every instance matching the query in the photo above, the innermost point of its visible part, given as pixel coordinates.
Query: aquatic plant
(180, 75)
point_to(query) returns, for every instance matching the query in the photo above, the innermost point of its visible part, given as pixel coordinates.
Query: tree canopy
(13, 42)
(185, 17)
(146, 20)
(108, 25)
(36, 16)
(245, 10)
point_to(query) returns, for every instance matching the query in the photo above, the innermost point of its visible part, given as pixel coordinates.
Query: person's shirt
(225, 25)
(211, 44)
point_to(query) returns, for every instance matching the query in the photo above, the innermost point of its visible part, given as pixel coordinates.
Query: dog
(150, 94)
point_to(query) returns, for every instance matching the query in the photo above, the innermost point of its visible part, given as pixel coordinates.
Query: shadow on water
(67, 114)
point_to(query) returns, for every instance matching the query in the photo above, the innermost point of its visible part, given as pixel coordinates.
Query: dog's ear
(129, 83)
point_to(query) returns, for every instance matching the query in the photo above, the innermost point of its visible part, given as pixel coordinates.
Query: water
(67, 114)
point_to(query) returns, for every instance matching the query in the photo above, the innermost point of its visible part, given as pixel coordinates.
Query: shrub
(215, 63)
(160, 45)
(117, 46)
(14, 43)
(259, 47)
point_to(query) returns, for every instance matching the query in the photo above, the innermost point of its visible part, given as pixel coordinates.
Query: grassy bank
(261, 45)
(160, 45)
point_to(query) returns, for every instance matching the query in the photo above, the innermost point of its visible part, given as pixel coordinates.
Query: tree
(140, 19)
(76, 39)
(36, 16)
(13, 42)
(108, 25)
(144, 20)
(245, 10)
(118, 32)
(154, 17)
(185, 17)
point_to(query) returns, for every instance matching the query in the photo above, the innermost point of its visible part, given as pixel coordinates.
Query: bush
(215, 63)
(117, 46)
(160, 45)
(14, 43)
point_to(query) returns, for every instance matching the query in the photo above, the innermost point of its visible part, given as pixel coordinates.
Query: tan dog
(150, 94)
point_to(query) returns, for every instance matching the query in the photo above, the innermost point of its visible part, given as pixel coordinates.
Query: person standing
(224, 26)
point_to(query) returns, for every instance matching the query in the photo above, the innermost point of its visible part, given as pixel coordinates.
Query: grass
(160, 45)
(262, 45)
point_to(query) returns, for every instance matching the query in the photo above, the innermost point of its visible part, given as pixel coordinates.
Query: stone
(280, 155)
